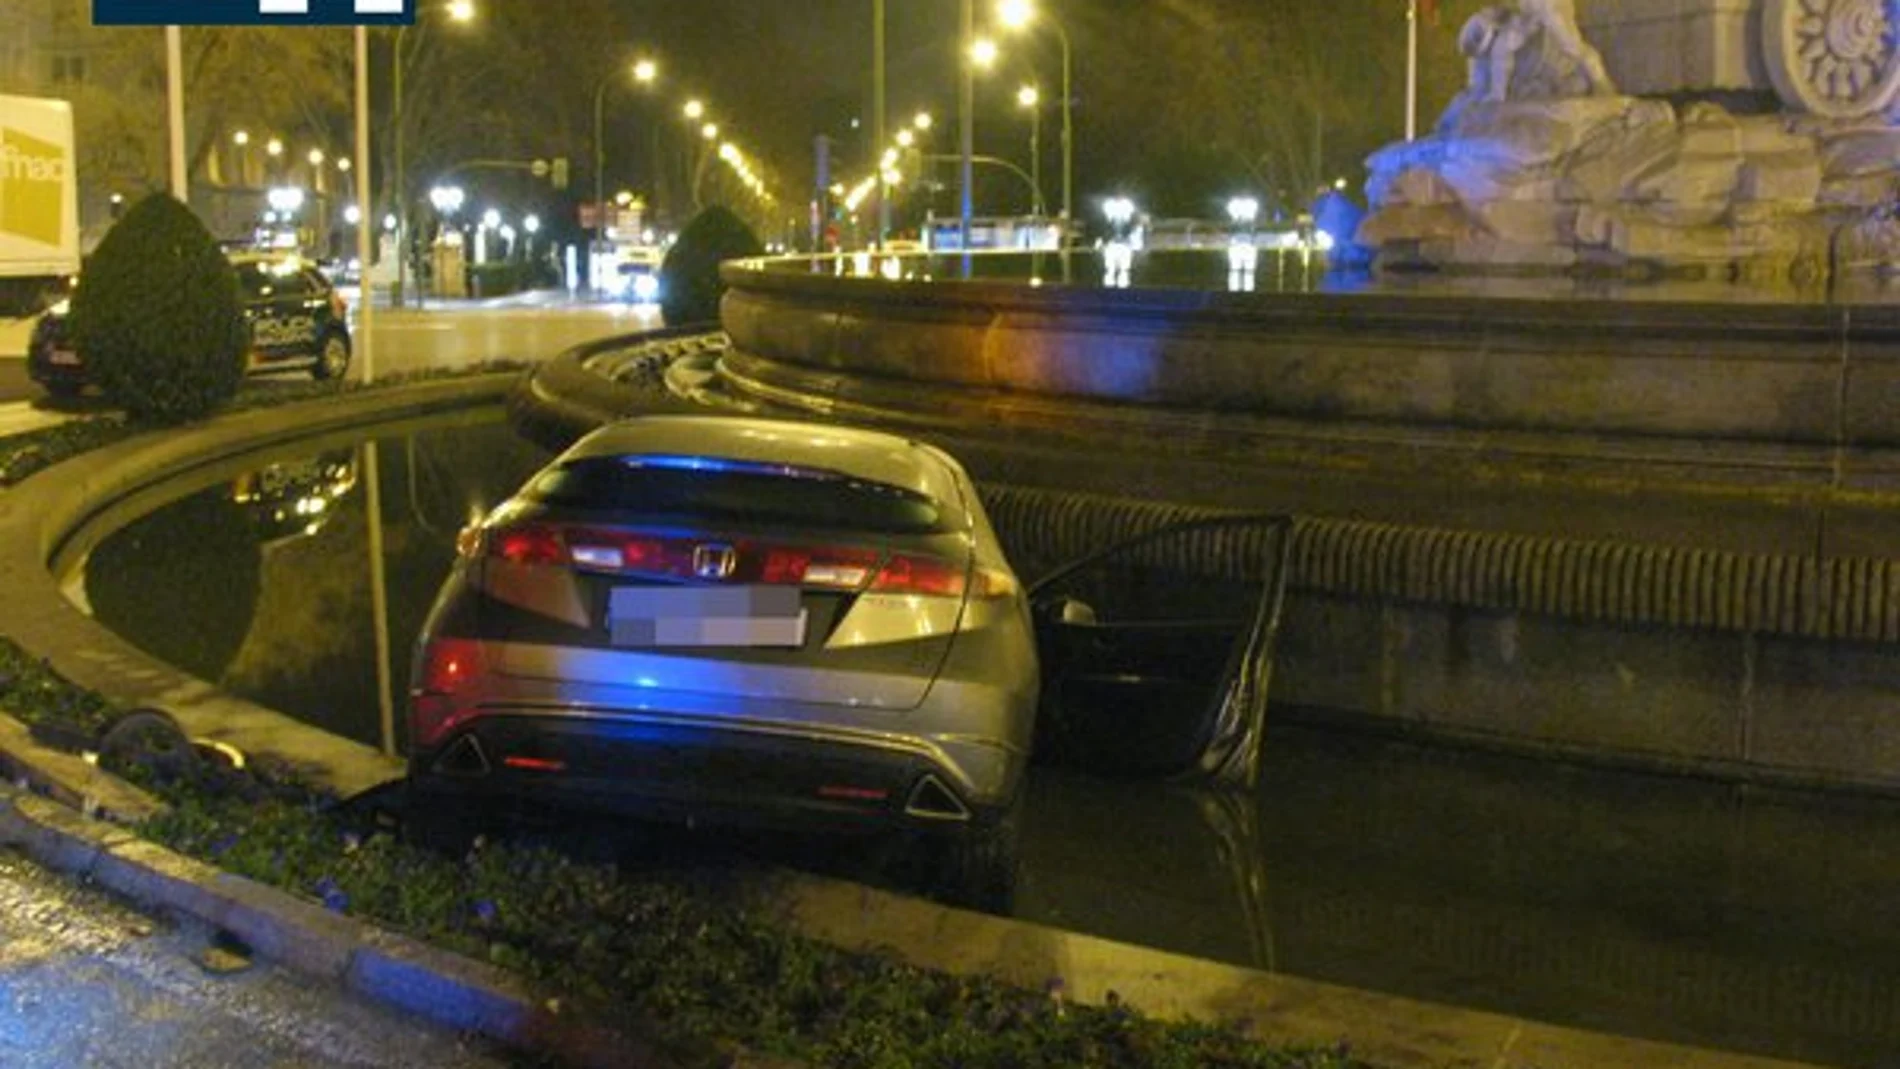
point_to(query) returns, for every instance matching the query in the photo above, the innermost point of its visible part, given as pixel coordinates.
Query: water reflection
(1669, 908)
(1279, 267)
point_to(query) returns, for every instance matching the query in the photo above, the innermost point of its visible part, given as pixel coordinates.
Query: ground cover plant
(699, 956)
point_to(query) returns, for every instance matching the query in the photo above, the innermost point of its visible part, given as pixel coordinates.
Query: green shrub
(157, 315)
(689, 277)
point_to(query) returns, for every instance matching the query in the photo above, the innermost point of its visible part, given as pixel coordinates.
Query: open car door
(1157, 651)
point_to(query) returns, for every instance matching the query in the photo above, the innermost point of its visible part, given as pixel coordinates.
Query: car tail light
(528, 544)
(906, 574)
(622, 552)
(833, 569)
(450, 667)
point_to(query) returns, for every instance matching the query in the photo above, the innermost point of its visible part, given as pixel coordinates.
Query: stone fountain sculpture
(1755, 140)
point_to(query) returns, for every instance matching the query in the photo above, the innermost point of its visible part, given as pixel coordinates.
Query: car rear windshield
(706, 491)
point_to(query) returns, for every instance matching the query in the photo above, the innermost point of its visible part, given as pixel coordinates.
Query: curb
(395, 971)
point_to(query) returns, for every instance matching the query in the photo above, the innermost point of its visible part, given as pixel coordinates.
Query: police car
(297, 322)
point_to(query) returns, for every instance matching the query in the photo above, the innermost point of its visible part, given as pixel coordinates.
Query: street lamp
(447, 200)
(242, 139)
(983, 53)
(1029, 98)
(458, 11)
(694, 109)
(710, 131)
(644, 72)
(1018, 14)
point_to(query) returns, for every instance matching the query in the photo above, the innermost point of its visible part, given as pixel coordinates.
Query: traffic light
(559, 176)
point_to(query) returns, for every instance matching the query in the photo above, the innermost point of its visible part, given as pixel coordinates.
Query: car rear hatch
(722, 579)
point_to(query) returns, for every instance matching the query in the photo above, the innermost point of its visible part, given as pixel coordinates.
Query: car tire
(333, 359)
(440, 822)
(977, 867)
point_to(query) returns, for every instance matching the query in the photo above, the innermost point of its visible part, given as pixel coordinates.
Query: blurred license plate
(705, 616)
(66, 357)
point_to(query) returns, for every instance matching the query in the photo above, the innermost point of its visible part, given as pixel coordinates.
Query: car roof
(860, 454)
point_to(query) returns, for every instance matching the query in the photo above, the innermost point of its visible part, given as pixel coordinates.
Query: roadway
(445, 335)
(87, 980)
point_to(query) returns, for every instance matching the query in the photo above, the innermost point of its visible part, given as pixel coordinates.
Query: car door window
(1157, 651)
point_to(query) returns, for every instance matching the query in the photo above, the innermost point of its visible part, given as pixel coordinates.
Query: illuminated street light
(1118, 210)
(286, 200)
(532, 224)
(389, 222)
(315, 157)
(447, 200)
(1019, 15)
(906, 139)
(1243, 209)
(352, 215)
(644, 72)
(491, 218)
(923, 121)
(462, 11)
(694, 109)
(343, 163)
(274, 147)
(710, 131)
(983, 53)
(1029, 98)
(242, 137)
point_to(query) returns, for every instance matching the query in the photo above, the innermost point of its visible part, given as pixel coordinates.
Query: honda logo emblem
(714, 561)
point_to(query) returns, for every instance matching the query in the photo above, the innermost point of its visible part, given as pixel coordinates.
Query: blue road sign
(253, 12)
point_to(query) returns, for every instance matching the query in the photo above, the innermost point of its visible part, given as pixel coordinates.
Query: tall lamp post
(1030, 100)
(1017, 14)
(458, 11)
(644, 72)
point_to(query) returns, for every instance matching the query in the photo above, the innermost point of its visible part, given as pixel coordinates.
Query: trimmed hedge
(689, 277)
(158, 316)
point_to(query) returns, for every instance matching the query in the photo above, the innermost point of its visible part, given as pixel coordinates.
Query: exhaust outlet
(465, 758)
(931, 800)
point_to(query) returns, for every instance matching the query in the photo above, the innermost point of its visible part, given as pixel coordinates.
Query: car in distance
(295, 317)
(734, 620)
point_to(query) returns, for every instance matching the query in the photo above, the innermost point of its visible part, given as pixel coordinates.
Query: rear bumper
(41, 368)
(724, 771)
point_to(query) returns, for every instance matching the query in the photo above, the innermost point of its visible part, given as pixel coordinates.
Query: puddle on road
(1670, 908)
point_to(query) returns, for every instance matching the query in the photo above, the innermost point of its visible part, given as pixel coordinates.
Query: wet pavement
(1668, 908)
(86, 981)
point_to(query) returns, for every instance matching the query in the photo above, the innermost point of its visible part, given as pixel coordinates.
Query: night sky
(1177, 102)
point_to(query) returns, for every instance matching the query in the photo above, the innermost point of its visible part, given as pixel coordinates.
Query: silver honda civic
(718, 618)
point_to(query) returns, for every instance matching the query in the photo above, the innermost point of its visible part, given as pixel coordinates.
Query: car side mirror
(1063, 609)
